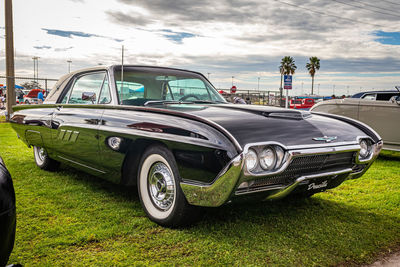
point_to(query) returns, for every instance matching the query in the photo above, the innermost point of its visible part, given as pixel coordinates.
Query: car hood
(252, 124)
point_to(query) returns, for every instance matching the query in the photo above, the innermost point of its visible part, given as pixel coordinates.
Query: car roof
(359, 95)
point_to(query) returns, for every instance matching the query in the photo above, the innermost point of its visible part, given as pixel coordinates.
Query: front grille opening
(307, 165)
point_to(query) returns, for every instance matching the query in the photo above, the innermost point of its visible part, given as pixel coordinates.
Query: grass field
(71, 218)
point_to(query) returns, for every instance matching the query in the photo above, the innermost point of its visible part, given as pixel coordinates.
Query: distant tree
(287, 67)
(312, 68)
(31, 85)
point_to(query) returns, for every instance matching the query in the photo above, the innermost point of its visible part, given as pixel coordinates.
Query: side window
(86, 89)
(370, 97)
(130, 91)
(105, 95)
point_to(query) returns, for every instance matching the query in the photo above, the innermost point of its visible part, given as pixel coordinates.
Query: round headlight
(364, 151)
(267, 158)
(251, 160)
(280, 154)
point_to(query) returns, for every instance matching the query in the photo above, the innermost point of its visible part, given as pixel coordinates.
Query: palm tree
(312, 67)
(287, 67)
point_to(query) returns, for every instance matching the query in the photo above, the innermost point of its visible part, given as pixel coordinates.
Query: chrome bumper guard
(227, 182)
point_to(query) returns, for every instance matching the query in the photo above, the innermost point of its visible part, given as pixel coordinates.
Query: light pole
(69, 65)
(36, 69)
(232, 79)
(318, 89)
(208, 75)
(333, 89)
(258, 84)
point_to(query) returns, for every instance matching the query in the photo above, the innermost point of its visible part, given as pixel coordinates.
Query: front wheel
(159, 191)
(43, 161)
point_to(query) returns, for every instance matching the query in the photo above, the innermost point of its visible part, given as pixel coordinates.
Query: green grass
(71, 218)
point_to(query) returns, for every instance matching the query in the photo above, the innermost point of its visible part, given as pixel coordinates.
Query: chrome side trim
(80, 164)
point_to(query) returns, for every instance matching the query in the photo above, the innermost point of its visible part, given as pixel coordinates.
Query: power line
(376, 11)
(393, 3)
(327, 14)
(362, 2)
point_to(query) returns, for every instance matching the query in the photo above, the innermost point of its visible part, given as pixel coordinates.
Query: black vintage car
(7, 214)
(171, 133)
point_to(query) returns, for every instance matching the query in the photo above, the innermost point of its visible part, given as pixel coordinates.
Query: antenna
(122, 74)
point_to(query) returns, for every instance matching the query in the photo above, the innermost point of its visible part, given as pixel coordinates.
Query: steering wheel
(187, 96)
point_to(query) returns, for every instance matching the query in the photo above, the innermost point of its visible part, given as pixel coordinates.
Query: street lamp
(232, 79)
(318, 89)
(208, 75)
(69, 65)
(258, 84)
(36, 68)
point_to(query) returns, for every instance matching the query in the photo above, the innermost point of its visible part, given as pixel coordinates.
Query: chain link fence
(266, 98)
(28, 83)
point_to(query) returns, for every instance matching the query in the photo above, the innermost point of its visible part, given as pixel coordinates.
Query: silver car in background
(379, 110)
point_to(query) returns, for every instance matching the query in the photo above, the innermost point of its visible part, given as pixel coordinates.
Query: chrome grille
(305, 165)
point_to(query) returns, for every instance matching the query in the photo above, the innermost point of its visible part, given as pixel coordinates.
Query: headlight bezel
(280, 158)
(370, 149)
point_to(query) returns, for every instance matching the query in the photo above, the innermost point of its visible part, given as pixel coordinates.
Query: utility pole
(69, 65)
(9, 38)
(36, 69)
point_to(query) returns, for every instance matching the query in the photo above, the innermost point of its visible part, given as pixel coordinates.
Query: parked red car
(303, 103)
(31, 97)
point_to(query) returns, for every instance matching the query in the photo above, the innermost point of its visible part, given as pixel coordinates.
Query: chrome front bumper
(225, 186)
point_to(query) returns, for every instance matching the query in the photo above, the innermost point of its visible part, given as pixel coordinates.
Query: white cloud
(240, 38)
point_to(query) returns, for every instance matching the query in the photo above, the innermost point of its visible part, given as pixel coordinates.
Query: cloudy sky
(357, 41)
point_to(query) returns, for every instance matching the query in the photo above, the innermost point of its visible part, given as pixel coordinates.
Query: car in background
(32, 96)
(376, 95)
(7, 214)
(302, 103)
(172, 134)
(378, 109)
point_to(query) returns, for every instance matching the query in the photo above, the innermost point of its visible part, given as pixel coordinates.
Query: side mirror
(89, 96)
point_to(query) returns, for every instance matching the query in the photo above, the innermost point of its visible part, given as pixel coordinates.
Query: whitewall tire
(159, 191)
(43, 161)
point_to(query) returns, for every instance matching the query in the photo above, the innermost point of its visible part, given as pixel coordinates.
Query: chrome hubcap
(41, 154)
(161, 185)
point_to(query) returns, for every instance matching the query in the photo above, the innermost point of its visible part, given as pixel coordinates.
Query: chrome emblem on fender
(325, 138)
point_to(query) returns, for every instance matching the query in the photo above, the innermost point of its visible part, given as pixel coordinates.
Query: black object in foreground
(7, 214)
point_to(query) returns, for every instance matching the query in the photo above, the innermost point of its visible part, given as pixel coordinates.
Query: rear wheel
(43, 161)
(159, 191)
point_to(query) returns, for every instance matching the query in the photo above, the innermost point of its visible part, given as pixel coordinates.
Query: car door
(76, 120)
(382, 116)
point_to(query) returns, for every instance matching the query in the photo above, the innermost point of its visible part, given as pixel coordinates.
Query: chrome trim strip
(80, 164)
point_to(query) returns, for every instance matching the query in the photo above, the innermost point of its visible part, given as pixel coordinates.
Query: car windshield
(144, 86)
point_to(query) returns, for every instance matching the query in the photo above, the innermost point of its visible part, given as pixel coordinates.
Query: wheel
(43, 161)
(160, 194)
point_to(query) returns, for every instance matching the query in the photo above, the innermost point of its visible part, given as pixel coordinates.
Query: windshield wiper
(207, 102)
(165, 102)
